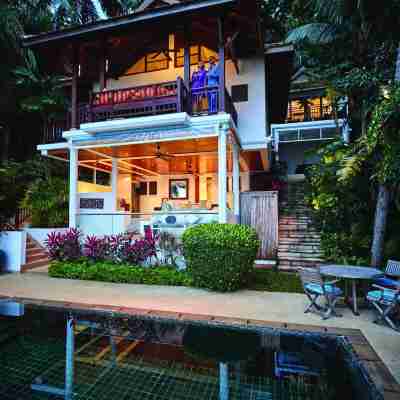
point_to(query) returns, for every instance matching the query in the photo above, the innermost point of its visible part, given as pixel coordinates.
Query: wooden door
(260, 210)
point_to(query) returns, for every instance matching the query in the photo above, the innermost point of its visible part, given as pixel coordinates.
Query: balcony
(310, 113)
(155, 99)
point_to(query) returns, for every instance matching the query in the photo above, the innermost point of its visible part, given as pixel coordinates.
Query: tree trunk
(381, 212)
(382, 204)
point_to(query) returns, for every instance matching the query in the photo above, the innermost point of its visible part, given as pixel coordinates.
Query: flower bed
(106, 271)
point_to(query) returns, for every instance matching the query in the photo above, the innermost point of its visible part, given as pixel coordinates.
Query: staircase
(36, 255)
(299, 242)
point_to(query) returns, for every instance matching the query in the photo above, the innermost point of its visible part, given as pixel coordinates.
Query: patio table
(353, 273)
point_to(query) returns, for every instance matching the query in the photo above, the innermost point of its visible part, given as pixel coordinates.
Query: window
(143, 188)
(194, 56)
(155, 61)
(197, 53)
(152, 188)
(240, 93)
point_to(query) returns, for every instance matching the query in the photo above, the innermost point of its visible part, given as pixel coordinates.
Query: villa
(151, 142)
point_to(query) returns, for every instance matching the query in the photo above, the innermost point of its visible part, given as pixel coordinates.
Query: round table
(353, 273)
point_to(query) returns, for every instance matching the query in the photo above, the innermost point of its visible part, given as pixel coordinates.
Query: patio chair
(391, 277)
(385, 302)
(315, 287)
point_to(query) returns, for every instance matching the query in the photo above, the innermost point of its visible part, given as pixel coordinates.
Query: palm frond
(315, 33)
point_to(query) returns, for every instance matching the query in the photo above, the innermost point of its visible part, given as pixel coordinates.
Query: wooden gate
(260, 210)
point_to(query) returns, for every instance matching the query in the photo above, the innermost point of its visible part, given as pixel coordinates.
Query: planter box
(13, 243)
(40, 234)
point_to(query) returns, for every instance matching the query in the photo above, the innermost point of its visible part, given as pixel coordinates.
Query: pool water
(137, 358)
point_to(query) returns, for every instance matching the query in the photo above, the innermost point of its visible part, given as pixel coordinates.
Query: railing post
(179, 104)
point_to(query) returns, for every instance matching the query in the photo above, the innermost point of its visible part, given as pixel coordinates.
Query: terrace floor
(247, 305)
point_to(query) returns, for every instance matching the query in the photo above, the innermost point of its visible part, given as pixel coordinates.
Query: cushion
(385, 296)
(317, 289)
(387, 282)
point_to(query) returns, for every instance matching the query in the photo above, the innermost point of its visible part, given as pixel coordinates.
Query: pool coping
(365, 353)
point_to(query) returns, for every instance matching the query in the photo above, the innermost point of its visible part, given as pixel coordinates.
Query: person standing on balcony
(199, 80)
(213, 83)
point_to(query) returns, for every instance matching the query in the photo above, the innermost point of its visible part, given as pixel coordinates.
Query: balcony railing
(312, 113)
(161, 98)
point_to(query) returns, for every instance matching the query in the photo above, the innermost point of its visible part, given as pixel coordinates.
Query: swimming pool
(105, 356)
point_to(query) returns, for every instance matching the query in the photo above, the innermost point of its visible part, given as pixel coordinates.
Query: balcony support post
(221, 56)
(114, 183)
(74, 88)
(222, 173)
(73, 185)
(236, 181)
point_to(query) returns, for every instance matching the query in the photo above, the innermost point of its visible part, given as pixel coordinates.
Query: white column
(222, 172)
(235, 181)
(73, 186)
(114, 183)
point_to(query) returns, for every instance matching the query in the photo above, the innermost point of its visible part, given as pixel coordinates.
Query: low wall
(13, 243)
(40, 234)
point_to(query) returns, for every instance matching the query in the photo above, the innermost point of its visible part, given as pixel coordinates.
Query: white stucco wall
(252, 114)
(14, 246)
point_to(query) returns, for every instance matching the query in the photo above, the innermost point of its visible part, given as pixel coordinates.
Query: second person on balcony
(212, 84)
(199, 81)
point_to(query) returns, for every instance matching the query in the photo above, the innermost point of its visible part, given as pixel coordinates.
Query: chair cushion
(387, 282)
(317, 289)
(385, 296)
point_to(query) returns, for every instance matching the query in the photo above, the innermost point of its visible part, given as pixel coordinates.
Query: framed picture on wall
(178, 189)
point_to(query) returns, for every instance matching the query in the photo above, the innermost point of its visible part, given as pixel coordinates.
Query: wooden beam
(221, 56)
(74, 87)
(139, 168)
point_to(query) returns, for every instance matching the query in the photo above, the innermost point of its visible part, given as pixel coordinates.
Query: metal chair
(385, 302)
(391, 277)
(315, 287)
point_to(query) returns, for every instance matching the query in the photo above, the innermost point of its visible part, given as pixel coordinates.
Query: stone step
(36, 264)
(34, 251)
(36, 257)
(300, 257)
(295, 265)
(299, 247)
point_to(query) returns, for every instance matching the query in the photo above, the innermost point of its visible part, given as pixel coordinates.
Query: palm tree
(358, 38)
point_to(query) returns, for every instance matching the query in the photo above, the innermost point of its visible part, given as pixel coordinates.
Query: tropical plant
(47, 200)
(220, 256)
(95, 248)
(64, 246)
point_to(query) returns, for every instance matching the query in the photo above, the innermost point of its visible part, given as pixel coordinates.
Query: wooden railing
(313, 113)
(161, 98)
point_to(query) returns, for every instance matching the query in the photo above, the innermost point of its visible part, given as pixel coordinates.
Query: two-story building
(169, 112)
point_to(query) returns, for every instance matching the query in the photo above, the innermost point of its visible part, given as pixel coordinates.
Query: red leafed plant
(64, 245)
(96, 248)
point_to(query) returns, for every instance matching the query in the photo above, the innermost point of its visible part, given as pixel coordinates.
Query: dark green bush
(119, 273)
(220, 256)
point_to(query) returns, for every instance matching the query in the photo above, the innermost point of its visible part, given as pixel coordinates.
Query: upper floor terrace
(146, 63)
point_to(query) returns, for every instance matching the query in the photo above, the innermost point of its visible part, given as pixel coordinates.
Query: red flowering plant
(95, 248)
(64, 246)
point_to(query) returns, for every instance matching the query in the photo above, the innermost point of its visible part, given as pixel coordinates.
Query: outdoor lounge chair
(315, 287)
(385, 302)
(391, 277)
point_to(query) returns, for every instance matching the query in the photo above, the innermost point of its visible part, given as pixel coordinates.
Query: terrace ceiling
(198, 156)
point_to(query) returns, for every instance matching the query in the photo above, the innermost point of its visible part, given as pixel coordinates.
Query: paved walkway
(276, 307)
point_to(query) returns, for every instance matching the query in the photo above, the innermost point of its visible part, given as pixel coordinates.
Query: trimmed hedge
(119, 273)
(275, 281)
(220, 256)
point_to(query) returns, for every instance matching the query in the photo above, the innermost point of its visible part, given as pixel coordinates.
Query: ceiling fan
(162, 156)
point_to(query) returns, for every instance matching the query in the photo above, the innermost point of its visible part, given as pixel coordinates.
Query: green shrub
(220, 256)
(275, 281)
(119, 273)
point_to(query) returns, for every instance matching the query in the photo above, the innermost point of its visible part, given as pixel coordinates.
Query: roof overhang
(126, 22)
